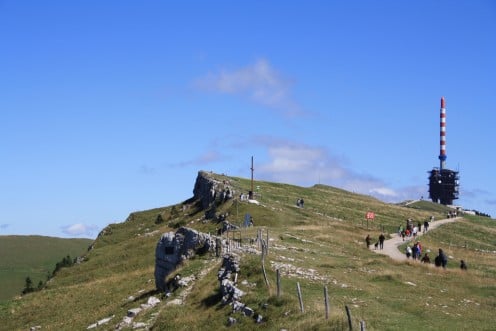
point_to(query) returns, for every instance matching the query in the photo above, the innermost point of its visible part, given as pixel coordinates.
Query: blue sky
(110, 107)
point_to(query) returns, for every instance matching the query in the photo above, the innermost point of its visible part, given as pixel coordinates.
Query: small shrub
(159, 219)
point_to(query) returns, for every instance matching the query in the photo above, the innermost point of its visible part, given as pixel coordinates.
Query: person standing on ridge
(381, 241)
(426, 226)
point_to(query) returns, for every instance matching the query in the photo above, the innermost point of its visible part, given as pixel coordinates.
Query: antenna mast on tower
(442, 136)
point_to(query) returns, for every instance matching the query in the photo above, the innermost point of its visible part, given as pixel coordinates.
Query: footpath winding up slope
(391, 245)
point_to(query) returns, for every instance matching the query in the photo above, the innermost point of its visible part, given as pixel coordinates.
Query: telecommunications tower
(443, 182)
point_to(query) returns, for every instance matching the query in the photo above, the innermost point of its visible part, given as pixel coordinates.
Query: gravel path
(391, 245)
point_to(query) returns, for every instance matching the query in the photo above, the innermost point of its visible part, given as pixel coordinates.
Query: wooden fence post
(326, 301)
(299, 297)
(362, 326)
(348, 313)
(278, 277)
(263, 266)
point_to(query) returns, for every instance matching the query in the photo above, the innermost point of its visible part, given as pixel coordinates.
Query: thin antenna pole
(251, 191)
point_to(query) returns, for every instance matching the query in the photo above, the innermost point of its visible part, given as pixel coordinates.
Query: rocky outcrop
(205, 189)
(173, 248)
(210, 191)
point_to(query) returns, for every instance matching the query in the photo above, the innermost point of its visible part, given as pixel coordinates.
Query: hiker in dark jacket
(382, 237)
(367, 240)
(441, 259)
(426, 259)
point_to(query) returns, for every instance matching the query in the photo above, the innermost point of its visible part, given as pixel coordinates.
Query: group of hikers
(441, 259)
(411, 230)
(415, 251)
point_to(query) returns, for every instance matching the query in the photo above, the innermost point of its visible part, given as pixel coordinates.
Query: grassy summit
(319, 245)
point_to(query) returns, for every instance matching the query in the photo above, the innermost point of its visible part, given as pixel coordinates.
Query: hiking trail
(391, 245)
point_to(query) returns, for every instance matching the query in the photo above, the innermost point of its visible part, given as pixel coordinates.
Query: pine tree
(29, 286)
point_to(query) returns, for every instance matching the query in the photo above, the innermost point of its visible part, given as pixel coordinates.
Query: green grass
(34, 257)
(319, 245)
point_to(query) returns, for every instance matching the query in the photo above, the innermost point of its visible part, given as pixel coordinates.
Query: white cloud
(383, 191)
(301, 164)
(305, 165)
(258, 82)
(79, 229)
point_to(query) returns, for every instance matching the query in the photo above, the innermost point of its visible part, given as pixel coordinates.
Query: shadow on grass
(212, 300)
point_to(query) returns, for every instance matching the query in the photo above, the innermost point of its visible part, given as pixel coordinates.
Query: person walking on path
(415, 252)
(408, 252)
(381, 241)
(367, 240)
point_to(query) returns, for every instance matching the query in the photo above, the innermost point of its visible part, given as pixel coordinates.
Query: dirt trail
(391, 245)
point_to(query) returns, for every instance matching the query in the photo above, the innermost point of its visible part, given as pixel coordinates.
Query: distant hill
(34, 257)
(315, 246)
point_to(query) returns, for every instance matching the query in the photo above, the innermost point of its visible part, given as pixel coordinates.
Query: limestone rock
(173, 248)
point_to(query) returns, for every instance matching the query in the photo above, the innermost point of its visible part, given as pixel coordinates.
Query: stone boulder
(173, 248)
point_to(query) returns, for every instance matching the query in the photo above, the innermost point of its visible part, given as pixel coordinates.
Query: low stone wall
(231, 294)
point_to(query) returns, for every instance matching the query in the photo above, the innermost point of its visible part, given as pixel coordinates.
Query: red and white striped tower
(442, 152)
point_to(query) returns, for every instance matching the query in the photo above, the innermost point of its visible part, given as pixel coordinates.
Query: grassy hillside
(319, 245)
(33, 256)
